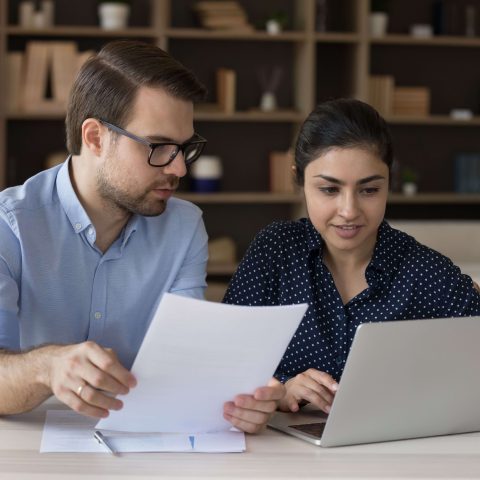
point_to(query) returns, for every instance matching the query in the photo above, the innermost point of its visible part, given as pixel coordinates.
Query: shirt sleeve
(191, 278)
(10, 273)
(461, 298)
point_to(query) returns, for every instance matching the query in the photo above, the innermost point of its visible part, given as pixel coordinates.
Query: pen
(103, 441)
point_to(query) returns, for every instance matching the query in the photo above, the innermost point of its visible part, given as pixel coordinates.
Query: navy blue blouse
(406, 280)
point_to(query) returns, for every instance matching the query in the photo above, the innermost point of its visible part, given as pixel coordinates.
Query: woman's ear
(93, 134)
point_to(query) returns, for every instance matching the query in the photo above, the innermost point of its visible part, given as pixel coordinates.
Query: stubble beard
(121, 200)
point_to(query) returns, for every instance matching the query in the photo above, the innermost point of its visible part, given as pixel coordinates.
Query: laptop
(402, 379)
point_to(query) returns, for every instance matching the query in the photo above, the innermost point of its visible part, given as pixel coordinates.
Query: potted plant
(276, 22)
(114, 14)
(409, 181)
(378, 17)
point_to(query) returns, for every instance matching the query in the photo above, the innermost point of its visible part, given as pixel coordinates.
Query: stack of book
(281, 173)
(380, 93)
(222, 14)
(411, 101)
(467, 172)
(40, 79)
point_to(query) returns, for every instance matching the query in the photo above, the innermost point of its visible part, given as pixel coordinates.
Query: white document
(68, 431)
(197, 355)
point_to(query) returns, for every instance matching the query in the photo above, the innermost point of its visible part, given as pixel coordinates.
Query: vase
(409, 189)
(378, 24)
(113, 16)
(268, 102)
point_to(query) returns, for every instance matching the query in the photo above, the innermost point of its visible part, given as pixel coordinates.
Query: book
(64, 68)
(413, 101)
(226, 89)
(380, 93)
(281, 173)
(37, 57)
(15, 63)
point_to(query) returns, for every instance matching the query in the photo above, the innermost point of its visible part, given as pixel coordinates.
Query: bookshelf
(316, 66)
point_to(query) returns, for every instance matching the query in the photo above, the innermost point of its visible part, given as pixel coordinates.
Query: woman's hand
(311, 386)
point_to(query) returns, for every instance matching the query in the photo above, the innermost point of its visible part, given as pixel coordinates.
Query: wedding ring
(79, 391)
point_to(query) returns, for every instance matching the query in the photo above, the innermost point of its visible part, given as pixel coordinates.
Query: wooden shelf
(256, 35)
(241, 197)
(73, 31)
(250, 116)
(337, 37)
(439, 41)
(435, 198)
(432, 120)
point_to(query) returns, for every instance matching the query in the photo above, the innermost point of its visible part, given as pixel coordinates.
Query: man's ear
(93, 136)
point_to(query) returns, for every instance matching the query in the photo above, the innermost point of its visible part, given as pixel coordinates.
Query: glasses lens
(163, 154)
(193, 151)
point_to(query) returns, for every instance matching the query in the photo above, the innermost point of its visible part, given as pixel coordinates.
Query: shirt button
(90, 231)
(339, 360)
(98, 315)
(78, 226)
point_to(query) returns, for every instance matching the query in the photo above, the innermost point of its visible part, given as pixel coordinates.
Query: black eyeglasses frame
(195, 140)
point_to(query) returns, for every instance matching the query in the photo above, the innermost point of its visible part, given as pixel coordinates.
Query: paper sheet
(197, 355)
(68, 431)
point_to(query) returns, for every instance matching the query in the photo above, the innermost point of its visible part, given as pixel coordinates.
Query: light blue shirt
(57, 287)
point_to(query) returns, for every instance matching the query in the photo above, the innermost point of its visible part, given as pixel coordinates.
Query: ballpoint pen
(103, 441)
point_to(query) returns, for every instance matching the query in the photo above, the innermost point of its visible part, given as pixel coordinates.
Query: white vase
(378, 24)
(273, 27)
(113, 16)
(409, 189)
(268, 102)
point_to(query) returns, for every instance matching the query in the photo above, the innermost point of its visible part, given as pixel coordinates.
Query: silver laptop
(402, 379)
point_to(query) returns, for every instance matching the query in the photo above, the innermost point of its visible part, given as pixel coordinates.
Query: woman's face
(346, 194)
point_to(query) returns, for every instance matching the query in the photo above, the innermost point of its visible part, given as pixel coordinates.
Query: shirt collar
(74, 210)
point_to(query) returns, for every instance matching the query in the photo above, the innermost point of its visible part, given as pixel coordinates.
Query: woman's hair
(108, 82)
(342, 123)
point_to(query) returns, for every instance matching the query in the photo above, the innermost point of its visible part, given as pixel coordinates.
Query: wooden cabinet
(315, 66)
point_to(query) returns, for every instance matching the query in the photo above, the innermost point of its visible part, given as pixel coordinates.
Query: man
(88, 248)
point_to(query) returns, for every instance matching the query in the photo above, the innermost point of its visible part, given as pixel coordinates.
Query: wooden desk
(269, 455)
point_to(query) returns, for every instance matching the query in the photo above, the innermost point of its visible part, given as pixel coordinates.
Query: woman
(345, 261)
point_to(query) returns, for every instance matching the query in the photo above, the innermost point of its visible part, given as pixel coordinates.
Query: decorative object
(114, 14)
(421, 30)
(222, 250)
(206, 174)
(380, 93)
(378, 18)
(269, 80)
(461, 114)
(276, 23)
(409, 181)
(281, 173)
(26, 11)
(470, 20)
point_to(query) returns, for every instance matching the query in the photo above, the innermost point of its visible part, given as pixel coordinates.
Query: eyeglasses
(163, 153)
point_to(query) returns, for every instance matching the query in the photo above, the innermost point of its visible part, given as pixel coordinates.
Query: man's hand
(86, 377)
(251, 413)
(313, 386)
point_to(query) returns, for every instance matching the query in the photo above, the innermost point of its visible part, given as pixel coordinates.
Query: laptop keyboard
(315, 429)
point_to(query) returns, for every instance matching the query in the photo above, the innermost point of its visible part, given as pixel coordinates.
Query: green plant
(279, 16)
(379, 5)
(409, 175)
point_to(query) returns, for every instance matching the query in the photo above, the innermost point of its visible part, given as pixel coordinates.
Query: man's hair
(342, 123)
(107, 84)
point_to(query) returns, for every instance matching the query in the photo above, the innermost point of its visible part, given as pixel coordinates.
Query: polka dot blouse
(406, 280)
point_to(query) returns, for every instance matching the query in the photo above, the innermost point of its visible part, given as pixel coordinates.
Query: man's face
(125, 179)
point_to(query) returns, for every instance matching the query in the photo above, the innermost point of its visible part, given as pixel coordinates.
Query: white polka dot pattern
(406, 280)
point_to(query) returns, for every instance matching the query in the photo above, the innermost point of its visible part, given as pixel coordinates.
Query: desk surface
(269, 455)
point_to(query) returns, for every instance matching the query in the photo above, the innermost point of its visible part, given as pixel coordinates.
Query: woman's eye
(370, 190)
(329, 190)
